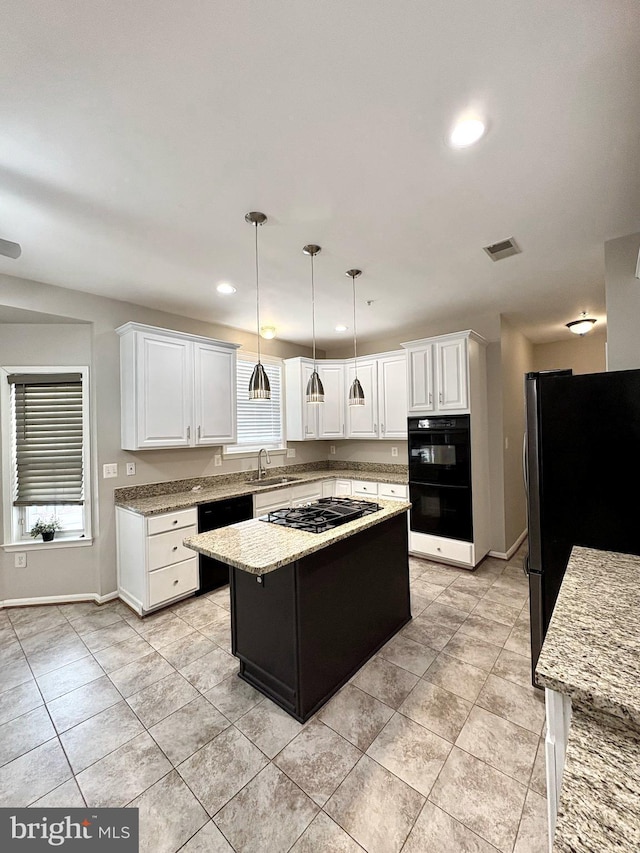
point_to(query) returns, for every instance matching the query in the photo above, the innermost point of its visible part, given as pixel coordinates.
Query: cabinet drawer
(172, 581)
(361, 487)
(171, 520)
(452, 550)
(167, 548)
(393, 491)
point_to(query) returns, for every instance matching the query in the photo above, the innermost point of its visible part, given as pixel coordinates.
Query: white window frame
(13, 539)
(236, 451)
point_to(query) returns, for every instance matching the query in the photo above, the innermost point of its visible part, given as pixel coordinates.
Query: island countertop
(259, 547)
(591, 650)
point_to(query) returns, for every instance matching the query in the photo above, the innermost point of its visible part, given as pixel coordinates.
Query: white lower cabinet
(393, 492)
(266, 502)
(154, 567)
(453, 551)
(364, 488)
(342, 488)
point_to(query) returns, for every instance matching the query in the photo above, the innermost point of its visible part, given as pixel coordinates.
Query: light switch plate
(110, 469)
(290, 452)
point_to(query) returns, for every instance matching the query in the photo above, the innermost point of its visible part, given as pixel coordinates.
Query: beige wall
(359, 450)
(93, 568)
(582, 354)
(622, 292)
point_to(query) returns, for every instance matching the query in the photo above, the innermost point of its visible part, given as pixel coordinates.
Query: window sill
(252, 454)
(9, 547)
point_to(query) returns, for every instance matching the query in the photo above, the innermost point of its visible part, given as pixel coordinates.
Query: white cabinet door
(452, 375)
(342, 488)
(331, 422)
(328, 488)
(421, 379)
(362, 421)
(215, 395)
(392, 396)
(164, 392)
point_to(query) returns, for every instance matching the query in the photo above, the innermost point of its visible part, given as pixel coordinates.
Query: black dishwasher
(211, 516)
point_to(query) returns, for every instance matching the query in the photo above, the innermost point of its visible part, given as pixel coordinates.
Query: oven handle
(440, 485)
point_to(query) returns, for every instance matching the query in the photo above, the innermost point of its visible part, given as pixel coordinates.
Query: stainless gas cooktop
(321, 515)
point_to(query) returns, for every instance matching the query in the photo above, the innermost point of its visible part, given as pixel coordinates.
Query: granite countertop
(600, 799)
(259, 547)
(157, 498)
(591, 653)
(592, 647)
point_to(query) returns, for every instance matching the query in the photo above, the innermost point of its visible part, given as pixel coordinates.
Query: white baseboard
(59, 599)
(507, 555)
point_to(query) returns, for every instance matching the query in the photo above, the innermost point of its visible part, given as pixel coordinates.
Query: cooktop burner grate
(322, 515)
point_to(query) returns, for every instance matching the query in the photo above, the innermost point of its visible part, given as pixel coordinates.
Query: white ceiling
(135, 136)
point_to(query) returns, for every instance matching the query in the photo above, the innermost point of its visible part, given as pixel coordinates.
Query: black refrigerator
(582, 476)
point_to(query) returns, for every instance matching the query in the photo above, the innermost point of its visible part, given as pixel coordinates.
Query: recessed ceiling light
(466, 132)
(268, 332)
(225, 287)
(341, 328)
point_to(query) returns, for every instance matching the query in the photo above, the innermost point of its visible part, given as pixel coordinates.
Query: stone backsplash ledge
(170, 487)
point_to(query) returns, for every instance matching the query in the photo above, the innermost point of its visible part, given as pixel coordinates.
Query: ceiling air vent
(503, 249)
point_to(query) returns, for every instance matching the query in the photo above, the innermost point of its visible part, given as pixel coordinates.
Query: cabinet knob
(175, 548)
(175, 521)
(176, 582)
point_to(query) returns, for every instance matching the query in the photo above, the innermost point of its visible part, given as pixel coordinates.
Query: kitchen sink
(272, 481)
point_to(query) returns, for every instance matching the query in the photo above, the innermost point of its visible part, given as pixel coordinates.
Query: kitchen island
(590, 669)
(308, 609)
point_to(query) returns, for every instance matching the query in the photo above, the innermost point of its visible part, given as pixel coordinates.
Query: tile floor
(435, 744)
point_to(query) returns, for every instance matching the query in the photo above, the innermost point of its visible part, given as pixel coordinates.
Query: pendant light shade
(259, 388)
(356, 393)
(315, 390)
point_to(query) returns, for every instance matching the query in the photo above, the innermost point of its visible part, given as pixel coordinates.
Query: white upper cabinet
(392, 395)
(306, 421)
(362, 421)
(176, 390)
(384, 381)
(438, 373)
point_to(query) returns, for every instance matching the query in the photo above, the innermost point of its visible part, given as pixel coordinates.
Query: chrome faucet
(261, 469)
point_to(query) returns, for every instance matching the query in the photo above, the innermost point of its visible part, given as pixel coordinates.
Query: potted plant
(46, 528)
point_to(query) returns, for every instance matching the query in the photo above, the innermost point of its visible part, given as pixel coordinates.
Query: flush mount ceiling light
(259, 388)
(581, 326)
(268, 332)
(315, 391)
(225, 287)
(356, 394)
(466, 132)
(341, 328)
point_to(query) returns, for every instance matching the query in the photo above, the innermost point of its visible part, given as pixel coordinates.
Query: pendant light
(315, 391)
(356, 394)
(259, 388)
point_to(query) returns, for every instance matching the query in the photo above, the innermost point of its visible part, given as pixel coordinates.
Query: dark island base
(303, 630)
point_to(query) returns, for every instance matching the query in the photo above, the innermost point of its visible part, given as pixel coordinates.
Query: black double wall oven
(440, 476)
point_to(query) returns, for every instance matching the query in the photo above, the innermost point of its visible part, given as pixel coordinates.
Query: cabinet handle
(430, 398)
(375, 427)
(176, 581)
(175, 521)
(440, 397)
(198, 432)
(188, 433)
(175, 548)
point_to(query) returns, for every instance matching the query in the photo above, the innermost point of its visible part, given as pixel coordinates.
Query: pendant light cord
(313, 314)
(257, 295)
(355, 347)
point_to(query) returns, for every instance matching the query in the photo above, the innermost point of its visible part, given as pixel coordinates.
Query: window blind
(47, 413)
(259, 421)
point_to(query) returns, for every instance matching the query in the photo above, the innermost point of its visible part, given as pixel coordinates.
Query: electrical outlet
(291, 452)
(394, 451)
(217, 460)
(131, 469)
(20, 560)
(110, 469)
(332, 448)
